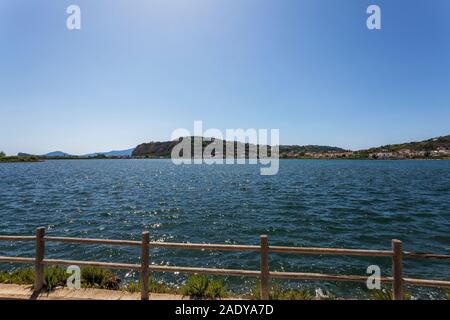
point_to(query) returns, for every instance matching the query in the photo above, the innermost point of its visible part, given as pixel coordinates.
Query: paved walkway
(15, 291)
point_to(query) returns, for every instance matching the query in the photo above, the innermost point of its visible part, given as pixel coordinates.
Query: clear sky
(139, 69)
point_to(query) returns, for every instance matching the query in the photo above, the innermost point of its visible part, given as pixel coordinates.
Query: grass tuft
(216, 289)
(54, 277)
(277, 292)
(386, 294)
(18, 276)
(93, 277)
(200, 286)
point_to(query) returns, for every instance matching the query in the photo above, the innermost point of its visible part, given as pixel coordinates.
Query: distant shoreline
(31, 160)
(20, 159)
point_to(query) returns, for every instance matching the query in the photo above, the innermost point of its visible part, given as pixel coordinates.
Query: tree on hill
(100, 156)
(2, 154)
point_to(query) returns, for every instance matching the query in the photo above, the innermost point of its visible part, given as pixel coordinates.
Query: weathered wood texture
(38, 262)
(264, 267)
(264, 274)
(397, 269)
(144, 265)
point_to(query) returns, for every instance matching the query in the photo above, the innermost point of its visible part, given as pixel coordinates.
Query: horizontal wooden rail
(417, 255)
(332, 251)
(108, 265)
(212, 271)
(16, 259)
(426, 283)
(228, 247)
(323, 277)
(17, 238)
(228, 272)
(204, 246)
(94, 241)
(396, 254)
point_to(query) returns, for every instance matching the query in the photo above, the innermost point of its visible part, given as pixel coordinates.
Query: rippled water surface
(352, 204)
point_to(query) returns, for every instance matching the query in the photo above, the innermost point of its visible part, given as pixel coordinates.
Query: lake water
(329, 203)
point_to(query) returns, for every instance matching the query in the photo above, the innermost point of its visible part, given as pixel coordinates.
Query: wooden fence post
(144, 264)
(38, 263)
(264, 266)
(397, 269)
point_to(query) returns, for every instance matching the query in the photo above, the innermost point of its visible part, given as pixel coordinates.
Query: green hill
(426, 145)
(164, 149)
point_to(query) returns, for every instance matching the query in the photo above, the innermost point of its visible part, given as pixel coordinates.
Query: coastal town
(435, 148)
(439, 153)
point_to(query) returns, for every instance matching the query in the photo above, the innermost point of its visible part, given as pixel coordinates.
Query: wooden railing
(264, 274)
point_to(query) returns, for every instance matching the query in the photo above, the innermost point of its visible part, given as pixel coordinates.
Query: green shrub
(18, 276)
(255, 292)
(386, 294)
(195, 286)
(93, 277)
(291, 294)
(54, 277)
(216, 289)
(277, 292)
(200, 286)
(132, 287)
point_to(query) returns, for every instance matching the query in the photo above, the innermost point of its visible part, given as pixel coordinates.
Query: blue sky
(137, 70)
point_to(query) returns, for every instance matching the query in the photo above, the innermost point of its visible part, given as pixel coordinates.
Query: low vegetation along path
(16, 291)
